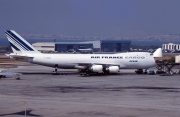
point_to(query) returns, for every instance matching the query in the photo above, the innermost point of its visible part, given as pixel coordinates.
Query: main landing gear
(140, 71)
(55, 71)
(84, 72)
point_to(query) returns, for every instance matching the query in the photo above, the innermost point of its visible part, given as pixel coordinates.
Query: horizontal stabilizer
(19, 57)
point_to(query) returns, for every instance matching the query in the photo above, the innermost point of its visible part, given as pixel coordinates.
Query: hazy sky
(113, 18)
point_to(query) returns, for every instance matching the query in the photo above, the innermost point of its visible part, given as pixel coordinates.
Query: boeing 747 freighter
(86, 63)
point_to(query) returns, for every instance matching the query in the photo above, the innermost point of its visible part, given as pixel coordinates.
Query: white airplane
(4, 73)
(86, 63)
(2, 70)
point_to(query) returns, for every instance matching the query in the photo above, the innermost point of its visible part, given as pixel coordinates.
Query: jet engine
(96, 68)
(113, 69)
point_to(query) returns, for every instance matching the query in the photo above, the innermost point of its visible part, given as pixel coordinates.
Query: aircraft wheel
(139, 71)
(84, 74)
(18, 78)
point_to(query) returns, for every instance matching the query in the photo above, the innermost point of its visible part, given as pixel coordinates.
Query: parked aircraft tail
(19, 44)
(158, 53)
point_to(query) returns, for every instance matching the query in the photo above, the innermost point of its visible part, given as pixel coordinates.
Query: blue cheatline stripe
(20, 40)
(12, 38)
(17, 49)
(20, 46)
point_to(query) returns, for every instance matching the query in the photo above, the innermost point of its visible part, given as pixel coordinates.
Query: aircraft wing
(85, 65)
(89, 64)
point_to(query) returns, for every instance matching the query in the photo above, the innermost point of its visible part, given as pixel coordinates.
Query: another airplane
(2, 70)
(85, 63)
(4, 73)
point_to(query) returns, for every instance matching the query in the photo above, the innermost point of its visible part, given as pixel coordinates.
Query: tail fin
(19, 44)
(158, 53)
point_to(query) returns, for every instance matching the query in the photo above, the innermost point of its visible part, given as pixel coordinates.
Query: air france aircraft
(85, 63)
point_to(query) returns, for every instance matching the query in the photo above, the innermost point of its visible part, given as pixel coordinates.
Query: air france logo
(106, 57)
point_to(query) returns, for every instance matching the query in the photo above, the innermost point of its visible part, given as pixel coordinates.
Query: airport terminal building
(171, 46)
(95, 46)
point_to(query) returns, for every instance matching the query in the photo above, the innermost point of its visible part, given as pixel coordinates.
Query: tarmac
(39, 93)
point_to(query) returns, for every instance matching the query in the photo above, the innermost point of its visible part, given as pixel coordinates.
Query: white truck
(177, 59)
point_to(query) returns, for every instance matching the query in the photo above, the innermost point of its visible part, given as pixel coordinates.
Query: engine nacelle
(113, 69)
(96, 68)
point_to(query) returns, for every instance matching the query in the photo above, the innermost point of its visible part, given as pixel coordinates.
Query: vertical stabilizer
(158, 53)
(19, 44)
